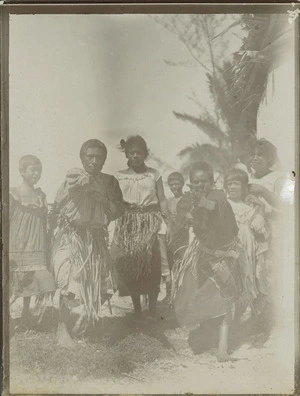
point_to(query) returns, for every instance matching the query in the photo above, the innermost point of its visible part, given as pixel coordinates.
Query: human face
(201, 179)
(32, 174)
(176, 187)
(259, 162)
(93, 160)
(234, 190)
(136, 157)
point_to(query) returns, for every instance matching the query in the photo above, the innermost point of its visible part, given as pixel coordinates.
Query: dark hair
(28, 160)
(237, 175)
(92, 143)
(204, 167)
(176, 176)
(268, 150)
(136, 140)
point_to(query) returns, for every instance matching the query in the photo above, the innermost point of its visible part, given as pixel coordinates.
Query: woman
(207, 283)
(268, 185)
(85, 204)
(135, 246)
(265, 182)
(253, 233)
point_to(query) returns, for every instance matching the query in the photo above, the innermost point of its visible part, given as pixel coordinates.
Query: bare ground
(119, 356)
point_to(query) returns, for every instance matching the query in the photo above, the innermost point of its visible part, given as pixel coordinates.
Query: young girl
(135, 247)
(27, 237)
(253, 233)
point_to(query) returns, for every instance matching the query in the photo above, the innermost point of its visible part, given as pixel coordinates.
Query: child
(179, 205)
(253, 233)
(27, 237)
(207, 282)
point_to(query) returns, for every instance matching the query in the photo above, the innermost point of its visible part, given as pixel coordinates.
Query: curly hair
(267, 149)
(92, 143)
(135, 140)
(236, 174)
(28, 160)
(204, 167)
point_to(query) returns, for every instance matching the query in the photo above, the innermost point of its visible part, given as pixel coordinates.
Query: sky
(76, 77)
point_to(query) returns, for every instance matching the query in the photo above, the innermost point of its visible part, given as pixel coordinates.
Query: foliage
(236, 81)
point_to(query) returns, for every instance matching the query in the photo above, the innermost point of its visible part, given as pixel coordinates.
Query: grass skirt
(135, 251)
(206, 284)
(81, 265)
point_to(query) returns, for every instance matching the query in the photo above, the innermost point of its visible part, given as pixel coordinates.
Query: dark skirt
(31, 283)
(205, 287)
(129, 284)
(135, 252)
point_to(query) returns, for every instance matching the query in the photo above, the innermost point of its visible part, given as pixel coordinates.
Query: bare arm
(164, 206)
(269, 196)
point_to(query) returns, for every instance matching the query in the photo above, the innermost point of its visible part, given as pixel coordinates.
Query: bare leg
(26, 303)
(79, 324)
(63, 336)
(136, 301)
(152, 303)
(145, 300)
(223, 339)
(27, 318)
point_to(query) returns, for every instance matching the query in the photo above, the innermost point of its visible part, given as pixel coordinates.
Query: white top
(268, 181)
(139, 188)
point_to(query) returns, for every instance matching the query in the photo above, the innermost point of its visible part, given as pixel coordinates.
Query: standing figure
(179, 206)
(84, 205)
(27, 238)
(265, 182)
(135, 247)
(207, 282)
(253, 234)
(267, 185)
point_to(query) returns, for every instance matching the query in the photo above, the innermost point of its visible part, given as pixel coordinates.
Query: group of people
(211, 247)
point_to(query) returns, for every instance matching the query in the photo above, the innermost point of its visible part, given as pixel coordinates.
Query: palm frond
(206, 126)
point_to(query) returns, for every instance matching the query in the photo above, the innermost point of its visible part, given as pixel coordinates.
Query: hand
(167, 279)
(189, 218)
(196, 197)
(253, 200)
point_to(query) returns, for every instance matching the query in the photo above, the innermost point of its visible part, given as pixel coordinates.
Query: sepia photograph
(148, 179)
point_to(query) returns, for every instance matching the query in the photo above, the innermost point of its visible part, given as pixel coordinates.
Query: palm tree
(237, 87)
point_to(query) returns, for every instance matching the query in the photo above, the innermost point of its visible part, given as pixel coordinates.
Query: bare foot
(28, 320)
(151, 319)
(223, 356)
(79, 325)
(138, 317)
(64, 338)
(12, 299)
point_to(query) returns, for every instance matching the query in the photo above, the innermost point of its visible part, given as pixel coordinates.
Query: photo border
(13, 7)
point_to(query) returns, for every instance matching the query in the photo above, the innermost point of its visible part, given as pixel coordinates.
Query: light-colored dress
(28, 245)
(135, 246)
(139, 188)
(275, 182)
(253, 235)
(270, 181)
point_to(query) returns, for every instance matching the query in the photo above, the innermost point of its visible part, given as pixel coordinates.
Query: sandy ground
(124, 358)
